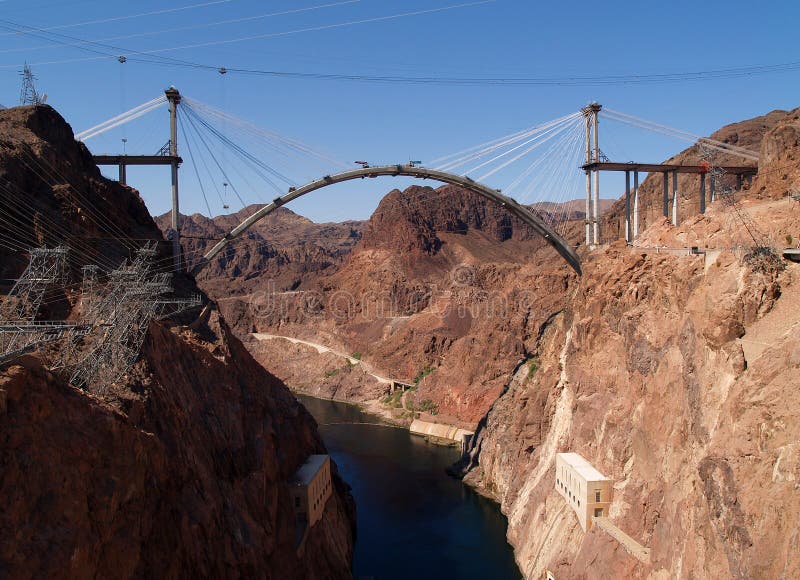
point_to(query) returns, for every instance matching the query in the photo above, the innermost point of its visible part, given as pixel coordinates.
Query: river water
(414, 521)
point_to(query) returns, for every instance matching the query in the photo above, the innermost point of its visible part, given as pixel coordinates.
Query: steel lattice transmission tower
(19, 330)
(28, 94)
(47, 266)
(120, 320)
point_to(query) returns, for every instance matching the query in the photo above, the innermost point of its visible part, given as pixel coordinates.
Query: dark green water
(414, 521)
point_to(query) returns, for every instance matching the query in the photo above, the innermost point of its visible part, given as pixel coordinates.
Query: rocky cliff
(182, 468)
(675, 376)
(284, 251)
(439, 277)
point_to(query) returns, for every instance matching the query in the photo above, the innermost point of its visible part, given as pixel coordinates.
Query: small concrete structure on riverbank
(586, 490)
(441, 431)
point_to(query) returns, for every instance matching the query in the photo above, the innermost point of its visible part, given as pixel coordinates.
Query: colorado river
(414, 521)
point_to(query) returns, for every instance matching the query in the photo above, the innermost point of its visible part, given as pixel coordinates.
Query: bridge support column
(123, 178)
(588, 156)
(739, 182)
(702, 193)
(635, 204)
(591, 124)
(628, 206)
(588, 208)
(666, 194)
(596, 110)
(675, 198)
(174, 98)
(712, 189)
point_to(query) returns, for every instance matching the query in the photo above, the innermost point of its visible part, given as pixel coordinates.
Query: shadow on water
(414, 521)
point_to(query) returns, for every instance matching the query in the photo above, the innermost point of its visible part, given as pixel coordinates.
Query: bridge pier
(628, 206)
(596, 109)
(702, 193)
(675, 197)
(588, 214)
(174, 98)
(635, 204)
(123, 177)
(712, 187)
(665, 176)
(592, 143)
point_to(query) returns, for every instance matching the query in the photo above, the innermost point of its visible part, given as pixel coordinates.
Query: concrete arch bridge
(511, 206)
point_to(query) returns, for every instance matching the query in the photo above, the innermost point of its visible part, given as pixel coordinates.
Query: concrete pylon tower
(174, 98)
(592, 143)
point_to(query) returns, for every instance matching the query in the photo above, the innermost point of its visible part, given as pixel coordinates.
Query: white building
(586, 490)
(311, 487)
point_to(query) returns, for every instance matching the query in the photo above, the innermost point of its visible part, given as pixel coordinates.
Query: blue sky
(395, 122)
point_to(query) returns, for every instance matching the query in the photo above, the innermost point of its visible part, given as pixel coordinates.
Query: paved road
(321, 348)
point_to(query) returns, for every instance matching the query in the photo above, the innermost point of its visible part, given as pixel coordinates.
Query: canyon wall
(675, 376)
(182, 467)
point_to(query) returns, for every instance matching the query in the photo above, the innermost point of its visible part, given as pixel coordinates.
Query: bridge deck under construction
(136, 159)
(666, 168)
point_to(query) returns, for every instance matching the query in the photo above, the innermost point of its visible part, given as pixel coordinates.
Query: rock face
(435, 291)
(185, 476)
(284, 251)
(183, 468)
(643, 374)
(52, 193)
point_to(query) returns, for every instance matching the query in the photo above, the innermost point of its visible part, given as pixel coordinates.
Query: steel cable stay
(536, 162)
(195, 140)
(230, 144)
(680, 134)
(539, 136)
(681, 131)
(194, 166)
(264, 136)
(555, 167)
(122, 118)
(568, 181)
(216, 162)
(542, 139)
(498, 144)
(244, 155)
(556, 161)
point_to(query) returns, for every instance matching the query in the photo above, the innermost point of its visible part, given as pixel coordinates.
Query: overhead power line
(154, 57)
(130, 16)
(78, 43)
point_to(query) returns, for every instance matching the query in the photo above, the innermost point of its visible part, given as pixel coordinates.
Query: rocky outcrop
(436, 292)
(643, 374)
(284, 251)
(53, 193)
(182, 467)
(183, 474)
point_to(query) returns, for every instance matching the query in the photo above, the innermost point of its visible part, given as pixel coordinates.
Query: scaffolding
(20, 332)
(134, 297)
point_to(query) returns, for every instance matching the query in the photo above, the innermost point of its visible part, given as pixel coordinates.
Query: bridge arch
(511, 206)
